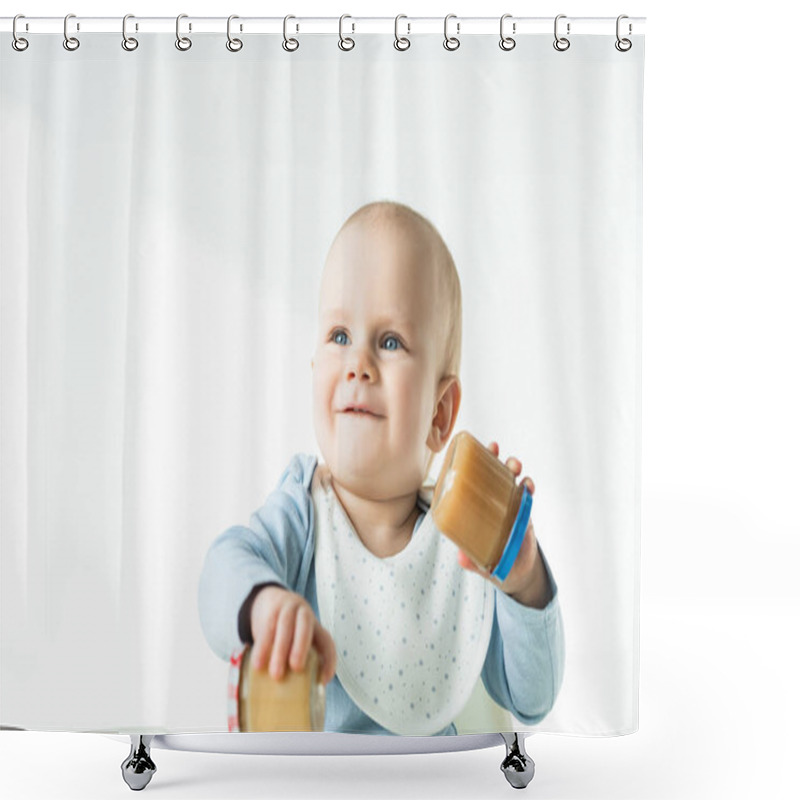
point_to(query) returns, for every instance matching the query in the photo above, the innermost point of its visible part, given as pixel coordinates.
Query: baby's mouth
(359, 412)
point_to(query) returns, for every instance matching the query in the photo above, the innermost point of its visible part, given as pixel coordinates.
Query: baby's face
(377, 349)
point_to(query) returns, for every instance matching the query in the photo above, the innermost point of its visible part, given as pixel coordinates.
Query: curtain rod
(327, 25)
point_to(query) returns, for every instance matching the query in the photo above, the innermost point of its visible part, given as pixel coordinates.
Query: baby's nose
(364, 372)
(361, 368)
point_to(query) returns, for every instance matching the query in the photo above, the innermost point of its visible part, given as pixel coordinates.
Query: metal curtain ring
(70, 42)
(623, 45)
(506, 42)
(128, 42)
(18, 43)
(234, 45)
(401, 43)
(346, 43)
(561, 43)
(290, 45)
(182, 42)
(451, 42)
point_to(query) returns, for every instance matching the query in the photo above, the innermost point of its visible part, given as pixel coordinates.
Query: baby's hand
(527, 581)
(283, 624)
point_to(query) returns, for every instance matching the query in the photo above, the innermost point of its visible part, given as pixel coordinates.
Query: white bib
(411, 630)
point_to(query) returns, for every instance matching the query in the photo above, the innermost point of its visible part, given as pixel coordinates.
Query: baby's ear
(449, 401)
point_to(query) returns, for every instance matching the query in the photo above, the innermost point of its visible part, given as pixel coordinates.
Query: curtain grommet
(289, 45)
(623, 45)
(451, 43)
(507, 42)
(71, 43)
(401, 43)
(561, 43)
(346, 43)
(129, 43)
(19, 43)
(183, 43)
(234, 45)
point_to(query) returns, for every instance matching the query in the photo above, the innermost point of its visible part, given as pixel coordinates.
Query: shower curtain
(168, 218)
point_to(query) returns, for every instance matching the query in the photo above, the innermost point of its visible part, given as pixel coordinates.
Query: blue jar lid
(515, 538)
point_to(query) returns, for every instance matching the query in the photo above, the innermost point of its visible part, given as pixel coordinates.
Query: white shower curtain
(165, 219)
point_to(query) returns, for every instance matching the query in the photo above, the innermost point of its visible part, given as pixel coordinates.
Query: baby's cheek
(322, 407)
(322, 383)
(414, 422)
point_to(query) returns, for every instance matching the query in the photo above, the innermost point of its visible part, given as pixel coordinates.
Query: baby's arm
(275, 548)
(524, 666)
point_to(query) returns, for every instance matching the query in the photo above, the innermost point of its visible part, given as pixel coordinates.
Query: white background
(720, 531)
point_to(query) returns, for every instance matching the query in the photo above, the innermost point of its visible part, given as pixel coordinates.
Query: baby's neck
(384, 526)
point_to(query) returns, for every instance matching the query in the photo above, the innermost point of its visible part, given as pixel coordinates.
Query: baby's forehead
(393, 290)
(411, 245)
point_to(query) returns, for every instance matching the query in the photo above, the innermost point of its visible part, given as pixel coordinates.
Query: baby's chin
(366, 482)
(371, 481)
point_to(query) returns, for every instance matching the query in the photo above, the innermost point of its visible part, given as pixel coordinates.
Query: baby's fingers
(303, 632)
(514, 464)
(262, 643)
(467, 563)
(284, 635)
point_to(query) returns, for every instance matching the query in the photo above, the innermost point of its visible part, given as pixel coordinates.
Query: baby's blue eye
(391, 339)
(340, 337)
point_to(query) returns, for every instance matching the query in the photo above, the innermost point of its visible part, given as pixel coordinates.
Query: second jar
(478, 504)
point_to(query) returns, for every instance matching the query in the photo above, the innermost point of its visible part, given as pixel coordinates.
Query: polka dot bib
(411, 630)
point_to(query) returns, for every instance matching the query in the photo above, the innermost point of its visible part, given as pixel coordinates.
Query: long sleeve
(276, 547)
(524, 666)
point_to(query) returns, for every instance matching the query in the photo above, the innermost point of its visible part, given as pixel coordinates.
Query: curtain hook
(128, 42)
(70, 42)
(234, 45)
(346, 43)
(451, 42)
(623, 45)
(289, 45)
(401, 43)
(18, 43)
(182, 42)
(506, 42)
(561, 43)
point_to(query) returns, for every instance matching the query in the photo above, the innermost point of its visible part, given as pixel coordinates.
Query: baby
(343, 556)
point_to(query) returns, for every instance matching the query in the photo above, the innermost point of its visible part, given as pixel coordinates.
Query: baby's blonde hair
(448, 286)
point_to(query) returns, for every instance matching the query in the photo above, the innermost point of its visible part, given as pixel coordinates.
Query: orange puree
(294, 703)
(476, 500)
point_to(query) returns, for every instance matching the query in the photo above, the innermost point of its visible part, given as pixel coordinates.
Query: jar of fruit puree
(478, 504)
(258, 702)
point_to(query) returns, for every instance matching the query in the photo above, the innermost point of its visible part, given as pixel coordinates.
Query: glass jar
(478, 504)
(296, 702)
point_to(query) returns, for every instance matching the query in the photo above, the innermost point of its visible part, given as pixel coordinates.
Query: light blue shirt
(524, 664)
